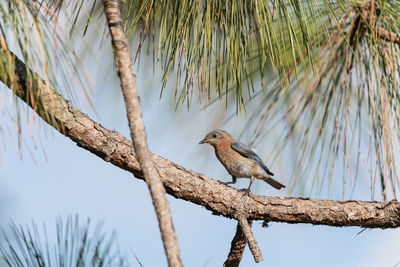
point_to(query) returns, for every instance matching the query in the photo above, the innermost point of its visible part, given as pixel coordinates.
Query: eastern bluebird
(239, 159)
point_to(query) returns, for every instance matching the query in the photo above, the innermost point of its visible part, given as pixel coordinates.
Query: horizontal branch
(195, 187)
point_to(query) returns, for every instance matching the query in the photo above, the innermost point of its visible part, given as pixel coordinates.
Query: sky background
(62, 179)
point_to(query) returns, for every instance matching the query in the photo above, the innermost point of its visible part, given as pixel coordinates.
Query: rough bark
(388, 36)
(238, 245)
(255, 250)
(123, 63)
(195, 187)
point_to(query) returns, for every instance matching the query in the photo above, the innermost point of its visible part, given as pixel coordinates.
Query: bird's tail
(272, 182)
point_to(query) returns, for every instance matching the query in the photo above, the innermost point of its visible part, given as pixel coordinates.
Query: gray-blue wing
(247, 152)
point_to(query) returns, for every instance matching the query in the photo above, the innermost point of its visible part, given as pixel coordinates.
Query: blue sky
(74, 181)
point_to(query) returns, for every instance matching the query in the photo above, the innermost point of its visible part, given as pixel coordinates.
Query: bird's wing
(247, 152)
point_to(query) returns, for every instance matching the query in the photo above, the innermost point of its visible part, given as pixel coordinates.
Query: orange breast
(234, 163)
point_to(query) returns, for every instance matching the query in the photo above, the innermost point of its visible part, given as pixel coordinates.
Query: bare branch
(238, 245)
(388, 36)
(192, 186)
(255, 250)
(123, 64)
(370, 20)
(243, 235)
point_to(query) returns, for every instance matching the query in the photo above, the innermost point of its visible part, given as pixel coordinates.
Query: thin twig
(124, 69)
(238, 245)
(255, 250)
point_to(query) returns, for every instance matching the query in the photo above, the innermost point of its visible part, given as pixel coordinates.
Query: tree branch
(370, 20)
(238, 245)
(123, 63)
(388, 36)
(255, 250)
(192, 186)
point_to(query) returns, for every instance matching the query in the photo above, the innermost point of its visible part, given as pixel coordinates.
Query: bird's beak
(205, 141)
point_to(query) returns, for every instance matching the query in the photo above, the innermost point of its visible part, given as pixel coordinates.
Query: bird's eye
(214, 135)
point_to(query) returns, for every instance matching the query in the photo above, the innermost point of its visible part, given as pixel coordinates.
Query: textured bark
(238, 245)
(255, 250)
(122, 58)
(388, 36)
(195, 187)
(370, 21)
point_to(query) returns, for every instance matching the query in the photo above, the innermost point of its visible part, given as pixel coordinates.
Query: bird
(239, 159)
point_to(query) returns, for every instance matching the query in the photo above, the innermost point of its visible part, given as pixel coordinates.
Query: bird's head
(215, 136)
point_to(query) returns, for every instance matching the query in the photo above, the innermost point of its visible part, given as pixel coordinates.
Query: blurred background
(43, 175)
